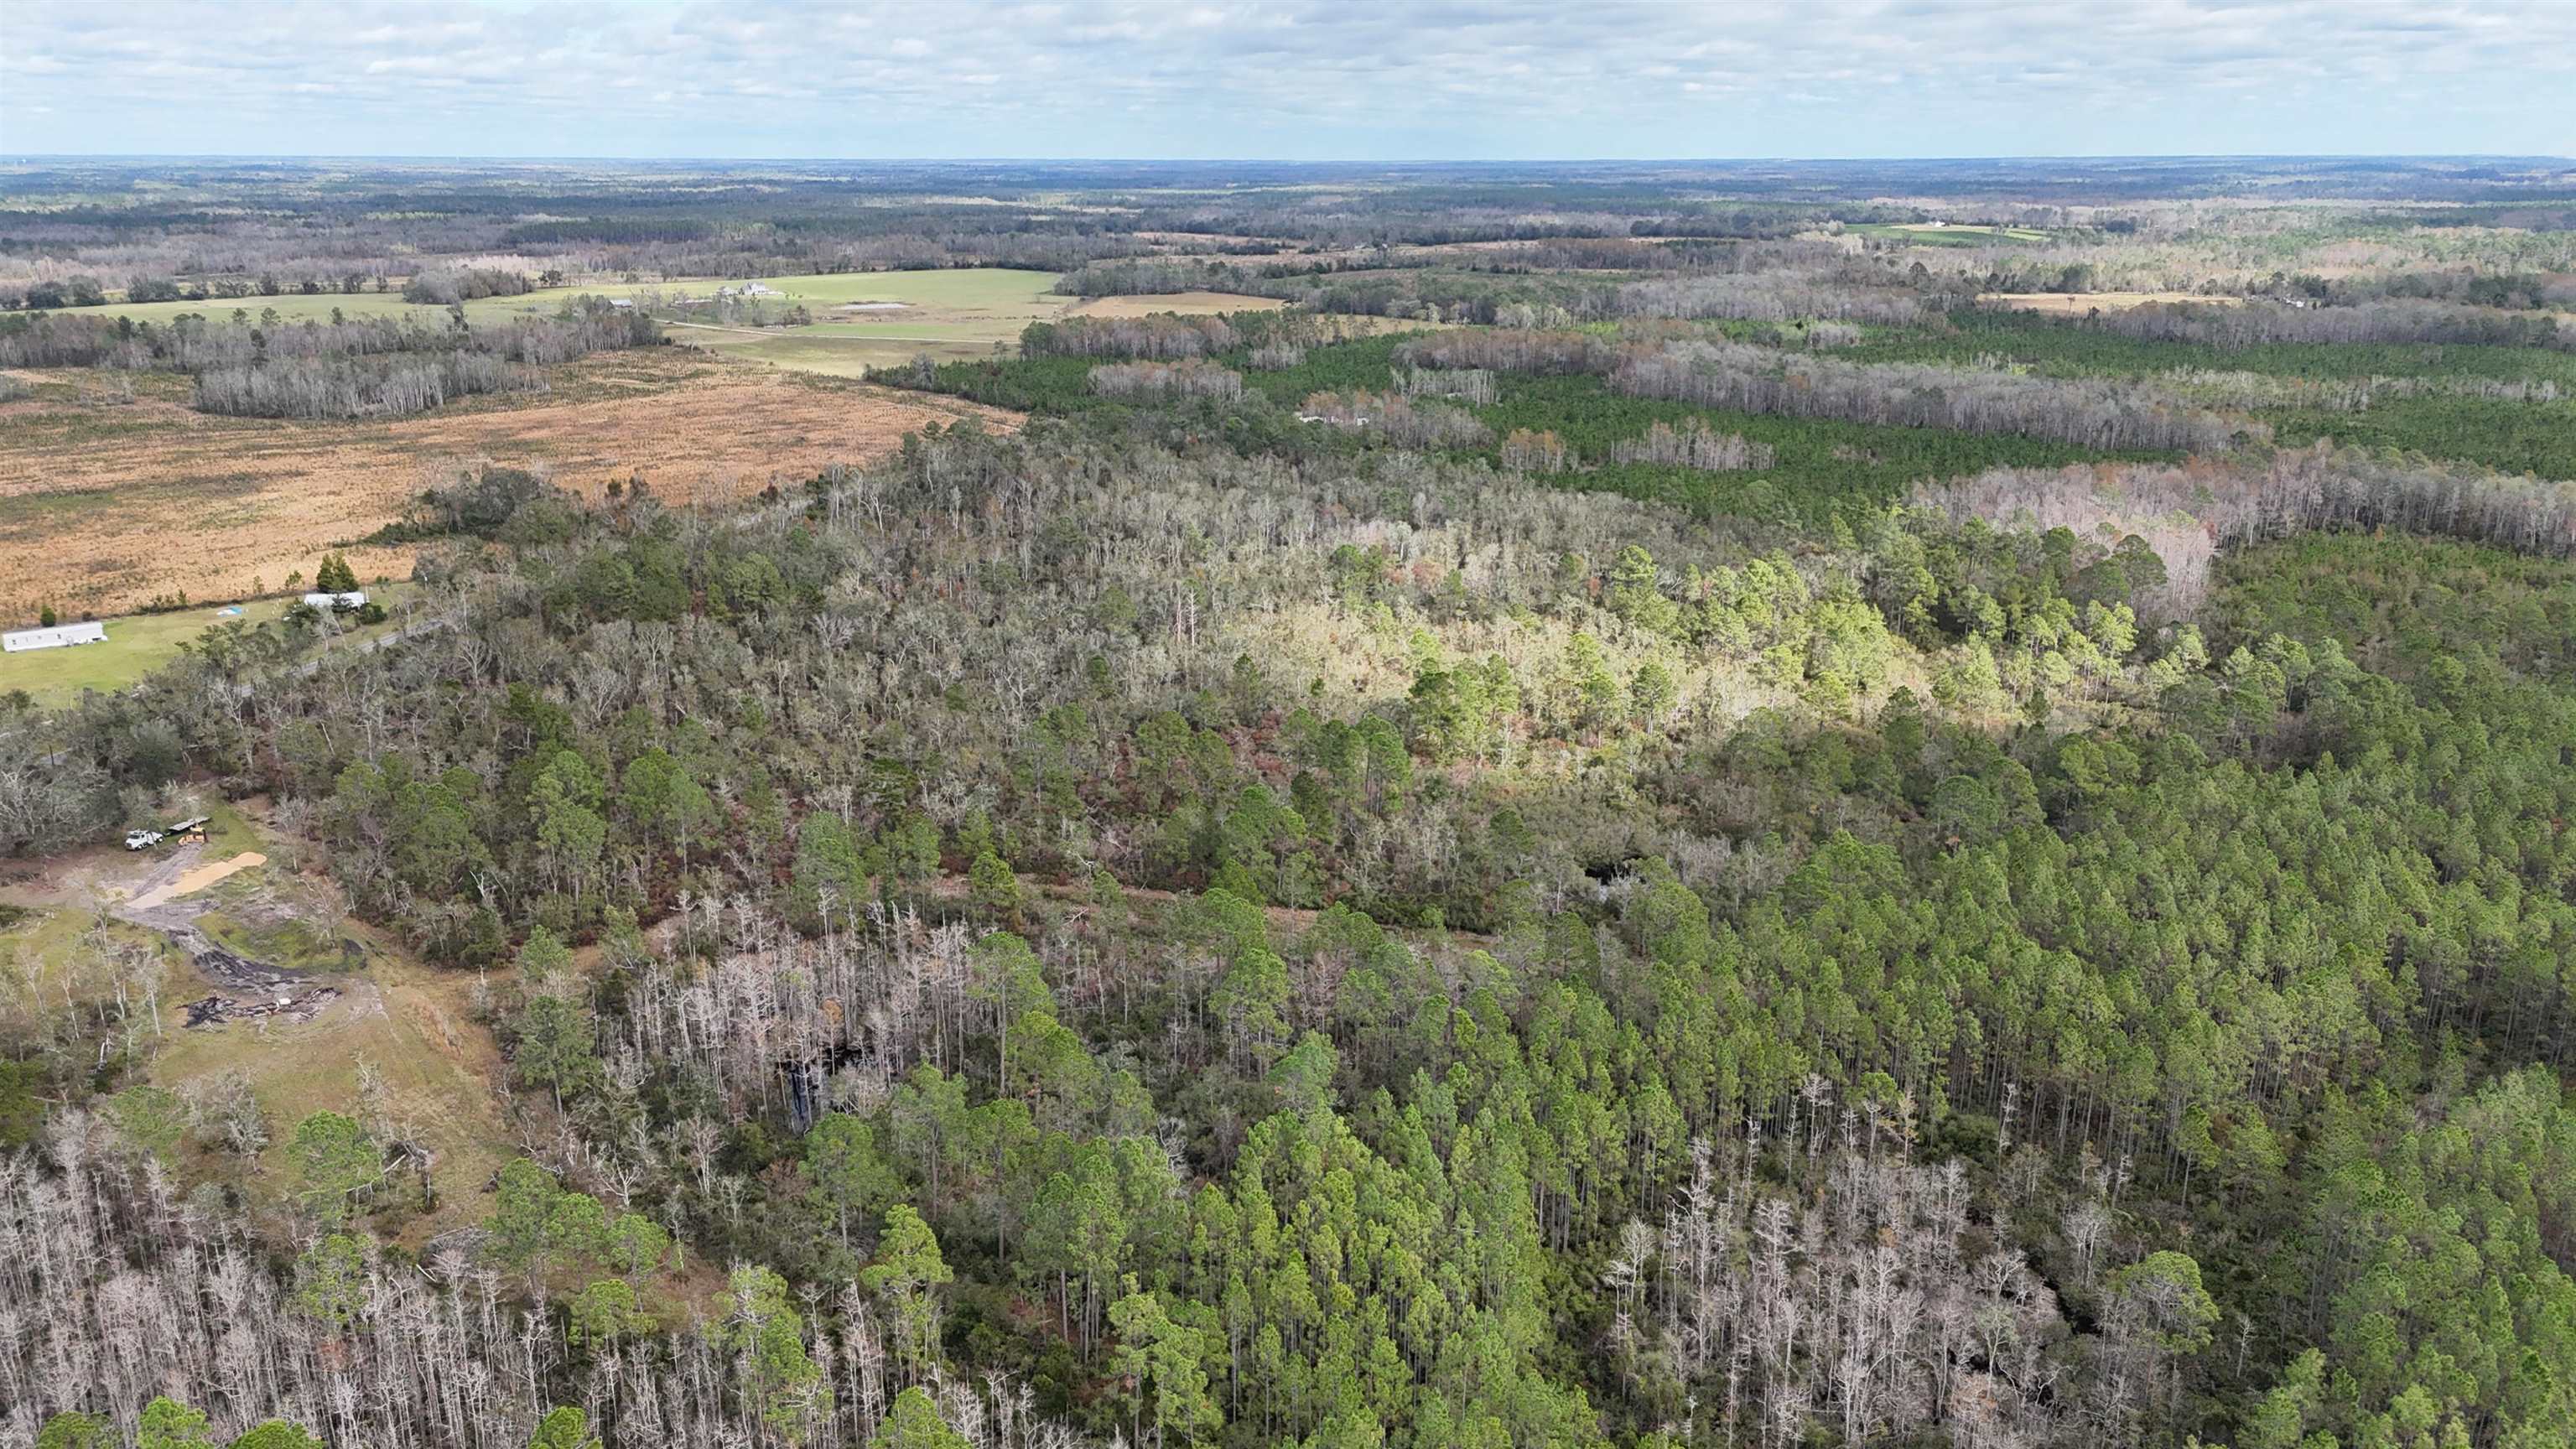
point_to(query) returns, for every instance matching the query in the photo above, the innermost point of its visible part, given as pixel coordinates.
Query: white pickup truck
(142, 839)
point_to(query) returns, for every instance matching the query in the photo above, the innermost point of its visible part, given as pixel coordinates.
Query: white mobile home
(56, 637)
(350, 600)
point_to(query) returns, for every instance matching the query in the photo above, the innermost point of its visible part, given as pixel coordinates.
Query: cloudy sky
(1288, 79)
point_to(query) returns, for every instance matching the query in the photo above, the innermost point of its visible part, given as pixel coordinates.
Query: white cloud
(1289, 78)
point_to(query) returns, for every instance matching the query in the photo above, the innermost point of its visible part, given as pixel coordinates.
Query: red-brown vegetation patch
(106, 502)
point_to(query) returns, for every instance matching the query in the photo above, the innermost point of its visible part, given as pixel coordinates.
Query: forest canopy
(1648, 819)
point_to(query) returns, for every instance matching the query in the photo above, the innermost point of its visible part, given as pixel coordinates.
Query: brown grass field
(1185, 302)
(2076, 304)
(105, 503)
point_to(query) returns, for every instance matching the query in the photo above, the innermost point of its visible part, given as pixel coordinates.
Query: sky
(1287, 79)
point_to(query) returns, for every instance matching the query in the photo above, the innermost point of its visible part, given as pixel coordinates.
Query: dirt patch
(190, 882)
(1189, 303)
(300, 1005)
(2078, 303)
(106, 503)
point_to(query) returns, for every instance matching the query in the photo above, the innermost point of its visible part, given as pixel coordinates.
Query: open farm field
(860, 319)
(885, 319)
(1185, 302)
(963, 299)
(811, 350)
(957, 294)
(105, 504)
(1946, 234)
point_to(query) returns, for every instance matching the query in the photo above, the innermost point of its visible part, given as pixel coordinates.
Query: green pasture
(137, 644)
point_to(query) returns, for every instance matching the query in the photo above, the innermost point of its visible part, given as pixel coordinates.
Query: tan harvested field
(106, 503)
(1191, 303)
(2078, 303)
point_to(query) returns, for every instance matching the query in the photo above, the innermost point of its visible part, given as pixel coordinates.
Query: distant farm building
(350, 600)
(57, 637)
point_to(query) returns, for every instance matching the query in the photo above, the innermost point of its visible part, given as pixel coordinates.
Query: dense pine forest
(1651, 818)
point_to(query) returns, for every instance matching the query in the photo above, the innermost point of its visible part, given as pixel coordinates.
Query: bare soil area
(2078, 303)
(1190, 303)
(191, 881)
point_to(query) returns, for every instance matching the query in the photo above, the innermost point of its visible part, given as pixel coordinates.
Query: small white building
(349, 600)
(56, 637)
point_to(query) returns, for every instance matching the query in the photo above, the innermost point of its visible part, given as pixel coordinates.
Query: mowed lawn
(137, 644)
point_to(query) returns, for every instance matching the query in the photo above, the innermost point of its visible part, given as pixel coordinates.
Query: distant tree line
(446, 288)
(1403, 420)
(348, 387)
(1770, 298)
(1694, 445)
(1162, 337)
(2101, 413)
(2254, 324)
(1191, 377)
(2290, 491)
(2092, 412)
(349, 367)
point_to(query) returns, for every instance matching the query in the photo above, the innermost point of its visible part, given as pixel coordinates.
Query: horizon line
(25, 157)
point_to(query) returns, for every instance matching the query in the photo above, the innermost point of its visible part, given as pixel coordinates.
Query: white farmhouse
(56, 637)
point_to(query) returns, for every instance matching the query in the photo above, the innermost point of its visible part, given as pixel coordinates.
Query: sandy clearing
(1193, 303)
(196, 880)
(2079, 303)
